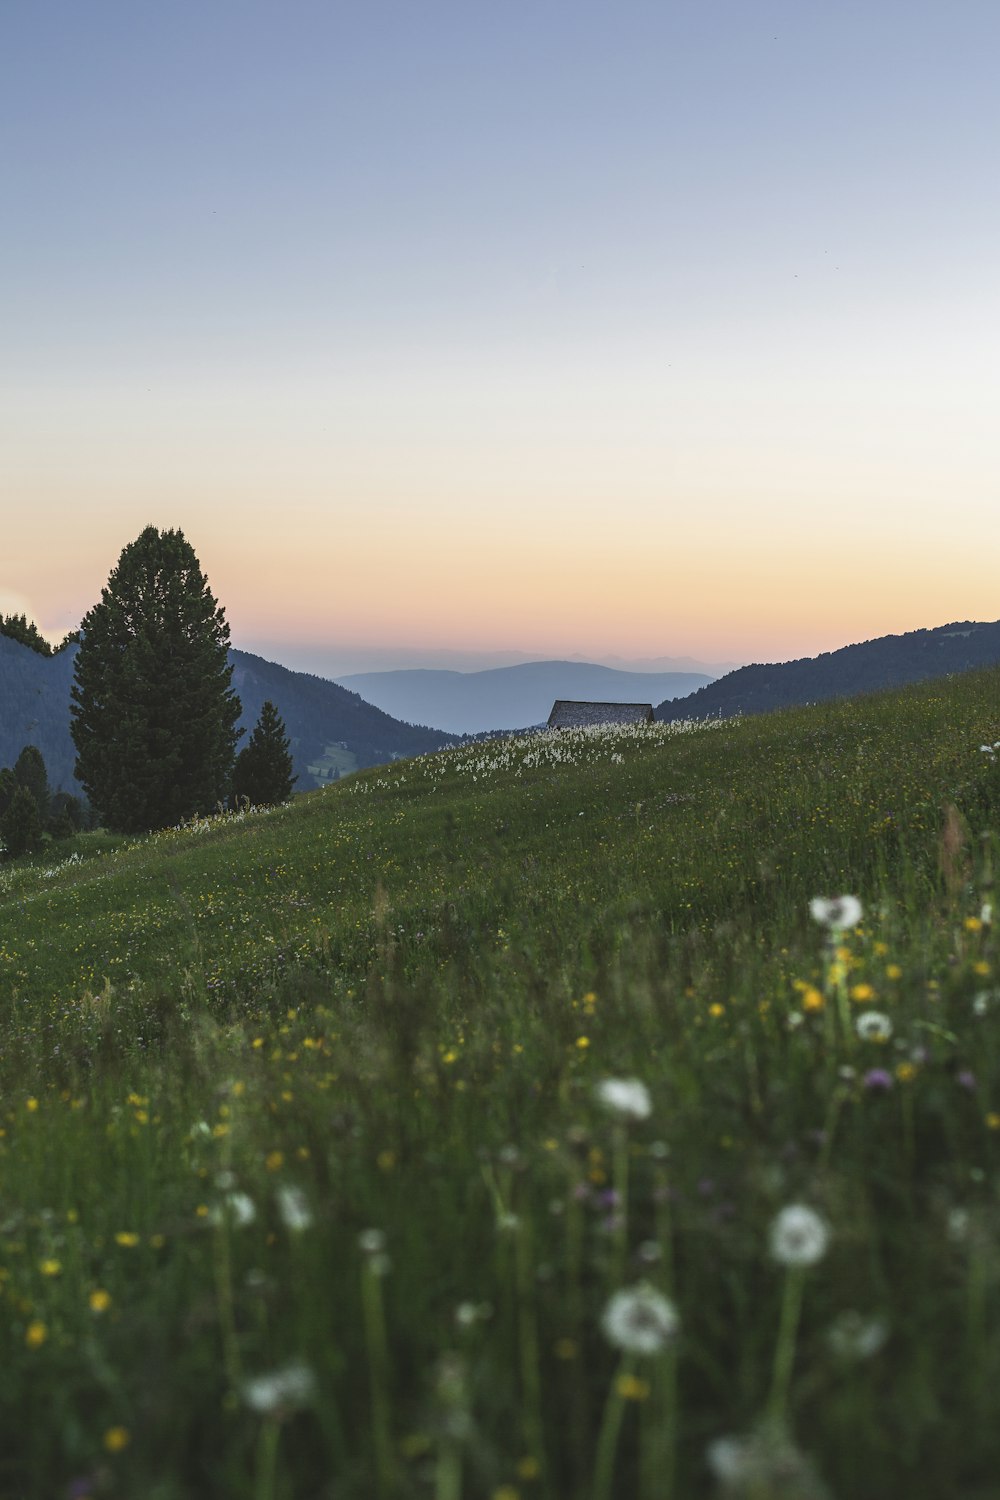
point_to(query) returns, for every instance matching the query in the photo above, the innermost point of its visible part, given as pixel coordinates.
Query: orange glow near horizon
(486, 587)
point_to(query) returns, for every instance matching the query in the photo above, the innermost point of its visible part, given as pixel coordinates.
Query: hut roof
(569, 713)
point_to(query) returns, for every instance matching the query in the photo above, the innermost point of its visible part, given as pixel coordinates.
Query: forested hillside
(889, 661)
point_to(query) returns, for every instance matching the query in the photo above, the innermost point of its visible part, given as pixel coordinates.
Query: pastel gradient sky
(638, 328)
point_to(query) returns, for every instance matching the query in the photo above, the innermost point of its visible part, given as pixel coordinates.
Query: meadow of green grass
(307, 1188)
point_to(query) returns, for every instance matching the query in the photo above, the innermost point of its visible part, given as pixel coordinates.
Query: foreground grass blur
(313, 1186)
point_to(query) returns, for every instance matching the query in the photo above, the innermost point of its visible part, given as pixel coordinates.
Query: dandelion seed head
(765, 1462)
(280, 1390)
(837, 913)
(853, 1336)
(799, 1237)
(873, 1026)
(640, 1320)
(293, 1207)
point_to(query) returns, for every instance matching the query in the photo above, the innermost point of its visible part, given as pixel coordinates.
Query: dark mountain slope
(319, 716)
(34, 708)
(318, 713)
(888, 661)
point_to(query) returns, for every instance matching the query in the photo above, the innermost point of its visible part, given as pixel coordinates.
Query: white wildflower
(983, 1001)
(236, 1208)
(873, 1026)
(371, 1243)
(799, 1237)
(280, 1391)
(293, 1206)
(467, 1314)
(853, 1336)
(959, 1222)
(640, 1320)
(836, 912)
(729, 1459)
(765, 1462)
(626, 1097)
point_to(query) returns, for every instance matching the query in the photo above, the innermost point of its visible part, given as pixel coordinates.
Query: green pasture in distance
(233, 1051)
(336, 761)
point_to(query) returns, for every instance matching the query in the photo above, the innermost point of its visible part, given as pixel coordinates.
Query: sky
(450, 331)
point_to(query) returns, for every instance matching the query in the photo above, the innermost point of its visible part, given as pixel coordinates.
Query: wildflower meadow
(563, 1117)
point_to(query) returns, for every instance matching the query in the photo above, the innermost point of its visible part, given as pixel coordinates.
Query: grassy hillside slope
(232, 1051)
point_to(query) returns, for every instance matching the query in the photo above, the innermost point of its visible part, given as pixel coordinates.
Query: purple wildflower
(877, 1078)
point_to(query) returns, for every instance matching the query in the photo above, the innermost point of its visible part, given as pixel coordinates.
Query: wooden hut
(569, 713)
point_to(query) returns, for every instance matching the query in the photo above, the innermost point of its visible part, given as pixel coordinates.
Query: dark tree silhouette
(21, 825)
(20, 628)
(263, 771)
(154, 715)
(30, 772)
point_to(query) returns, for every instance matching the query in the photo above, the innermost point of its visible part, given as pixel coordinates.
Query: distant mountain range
(888, 661)
(332, 731)
(513, 697)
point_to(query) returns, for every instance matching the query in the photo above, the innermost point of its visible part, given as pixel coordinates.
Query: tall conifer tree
(154, 715)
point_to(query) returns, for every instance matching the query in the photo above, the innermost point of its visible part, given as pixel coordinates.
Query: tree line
(154, 716)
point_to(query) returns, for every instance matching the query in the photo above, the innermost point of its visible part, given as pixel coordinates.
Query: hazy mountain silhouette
(329, 726)
(888, 661)
(511, 697)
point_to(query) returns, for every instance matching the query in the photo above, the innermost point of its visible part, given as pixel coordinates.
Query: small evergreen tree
(263, 772)
(21, 825)
(65, 815)
(20, 628)
(154, 715)
(30, 772)
(8, 786)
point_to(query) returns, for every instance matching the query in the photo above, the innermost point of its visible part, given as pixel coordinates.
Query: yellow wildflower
(35, 1335)
(632, 1388)
(99, 1300)
(116, 1438)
